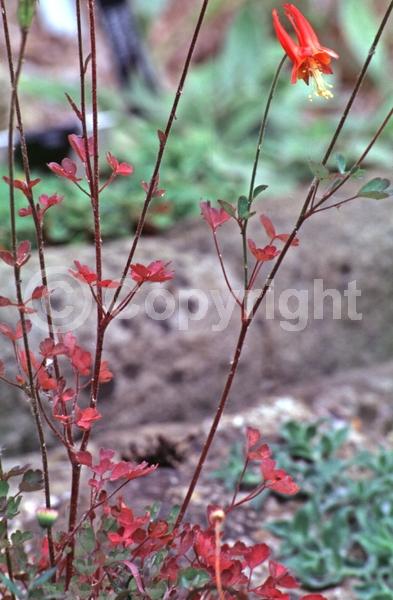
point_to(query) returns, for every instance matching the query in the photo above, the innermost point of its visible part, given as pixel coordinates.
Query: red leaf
(105, 375)
(78, 145)
(256, 555)
(123, 169)
(48, 201)
(130, 471)
(25, 212)
(281, 576)
(253, 437)
(67, 169)
(268, 226)
(7, 257)
(23, 185)
(267, 253)
(155, 272)
(40, 292)
(7, 331)
(213, 216)
(284, 237)
(83, 458)
(4, 302)
(85, 418)
(261, 453)
(23, 253)
(84, 273)
(19, 329)
(81, 360)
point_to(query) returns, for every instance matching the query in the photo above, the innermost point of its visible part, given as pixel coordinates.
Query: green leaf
(87, 539)
(11, 586)
(19, 538)
(229, 209)
(42, 578)
(242, 209)
(158, 591)
(191, 578)
(32, 481)
(377, 189)
(26, 11)
(358, 173)
(258, 190)
(13, 507)
(4, 489)
(341, 163)
(318, 170)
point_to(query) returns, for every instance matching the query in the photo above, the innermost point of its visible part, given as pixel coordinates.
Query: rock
(173, 369)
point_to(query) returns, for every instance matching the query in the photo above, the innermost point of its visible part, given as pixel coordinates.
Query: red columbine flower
(309, 58)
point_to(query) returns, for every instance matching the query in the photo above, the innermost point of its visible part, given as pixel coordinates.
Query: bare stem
(216, 421)
(223, 269)
(261, 137)
(162, 147)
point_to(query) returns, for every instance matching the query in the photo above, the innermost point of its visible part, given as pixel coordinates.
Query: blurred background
(213, 142)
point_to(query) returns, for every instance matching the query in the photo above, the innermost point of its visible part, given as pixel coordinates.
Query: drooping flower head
(309, 57)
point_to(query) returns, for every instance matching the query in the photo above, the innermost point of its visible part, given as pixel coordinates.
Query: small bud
(216, 515)
(46, 517)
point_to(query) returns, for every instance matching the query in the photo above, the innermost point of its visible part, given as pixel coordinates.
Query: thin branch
(357, 163)
(162, 147)
(261, 137)
(224, 272)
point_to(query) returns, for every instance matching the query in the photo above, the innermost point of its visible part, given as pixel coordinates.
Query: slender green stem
(261, 138)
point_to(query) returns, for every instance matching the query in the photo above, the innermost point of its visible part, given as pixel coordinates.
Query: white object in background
(58, 16)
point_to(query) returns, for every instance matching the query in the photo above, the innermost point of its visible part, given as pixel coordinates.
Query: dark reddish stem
(358, 163)
(216, 421)
(103, 324)
(15, 106)
(161, 151)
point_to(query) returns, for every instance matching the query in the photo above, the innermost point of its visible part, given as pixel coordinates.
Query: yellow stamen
(321, 87)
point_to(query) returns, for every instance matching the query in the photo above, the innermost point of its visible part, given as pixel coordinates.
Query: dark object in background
(49, 145)
(129, 57)
(130, 54)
